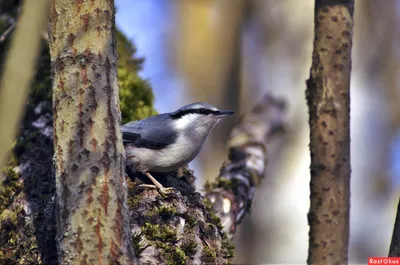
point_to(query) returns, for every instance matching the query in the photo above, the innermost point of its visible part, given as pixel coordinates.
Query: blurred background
(231, 52)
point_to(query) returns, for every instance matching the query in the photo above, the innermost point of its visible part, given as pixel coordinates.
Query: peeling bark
(328, 98)
(92, 216)
(233, 192)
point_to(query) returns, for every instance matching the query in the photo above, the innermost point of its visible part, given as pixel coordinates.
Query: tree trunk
(328, 98)
(92, 216)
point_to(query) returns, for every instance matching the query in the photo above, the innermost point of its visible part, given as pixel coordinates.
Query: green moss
(224, 183)
(227, 183)
(166, 211)
(18, 246)
(136, 96)
(229, 248)
(175, 256)
(209, 255)
(191, 220)
(10, 184)
(214, 218)
(137, 245)
(159, 232)
(164, 238)
(134, 200)
(189, 247)
(207, 204)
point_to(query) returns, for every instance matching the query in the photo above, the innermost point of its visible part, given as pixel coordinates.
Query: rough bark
(178, 229)
(232, 194)
(92, 214)
(19, 71)
(394, 250)
(328, 98)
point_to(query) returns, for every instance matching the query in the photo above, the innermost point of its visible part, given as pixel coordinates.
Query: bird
(168, 141)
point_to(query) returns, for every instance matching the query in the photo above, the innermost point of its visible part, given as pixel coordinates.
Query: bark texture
(92, 215)
(178, 229)
(232, 194)
(328, 98)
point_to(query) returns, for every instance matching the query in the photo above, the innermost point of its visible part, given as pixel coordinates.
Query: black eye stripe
(202, 111)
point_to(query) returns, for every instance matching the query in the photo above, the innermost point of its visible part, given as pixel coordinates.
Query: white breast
(168, 159)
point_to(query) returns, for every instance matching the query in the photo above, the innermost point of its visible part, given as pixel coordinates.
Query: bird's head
(199, 118)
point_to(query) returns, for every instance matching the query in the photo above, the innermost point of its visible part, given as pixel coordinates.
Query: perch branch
(233, 192)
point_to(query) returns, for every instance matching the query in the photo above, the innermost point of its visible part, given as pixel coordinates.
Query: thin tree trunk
(19, 71)
(93, 222)
(328, 97)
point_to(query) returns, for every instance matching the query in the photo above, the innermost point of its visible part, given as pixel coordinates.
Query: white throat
(185, 121)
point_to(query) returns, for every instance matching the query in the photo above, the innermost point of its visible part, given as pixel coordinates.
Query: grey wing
(153, 133)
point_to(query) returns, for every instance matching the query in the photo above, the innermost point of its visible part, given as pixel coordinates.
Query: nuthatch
(165, 142)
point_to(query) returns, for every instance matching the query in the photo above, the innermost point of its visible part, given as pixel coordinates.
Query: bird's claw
(162, 190)
(166, 191)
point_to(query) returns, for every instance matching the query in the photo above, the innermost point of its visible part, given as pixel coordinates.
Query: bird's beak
(223, 113)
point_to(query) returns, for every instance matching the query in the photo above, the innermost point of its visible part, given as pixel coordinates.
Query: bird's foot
(166, 191)
(161, 189)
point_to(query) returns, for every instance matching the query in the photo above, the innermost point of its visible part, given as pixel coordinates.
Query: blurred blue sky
(148, 24)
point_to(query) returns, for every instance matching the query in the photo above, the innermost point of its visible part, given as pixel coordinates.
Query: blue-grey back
(155, 132)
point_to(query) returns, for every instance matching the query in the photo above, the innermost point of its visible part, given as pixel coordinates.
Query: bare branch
(233, 192)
